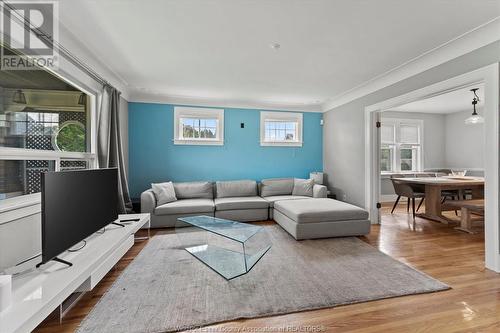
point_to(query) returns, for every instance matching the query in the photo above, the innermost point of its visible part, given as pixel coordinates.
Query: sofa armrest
(319, 191)
(148, 201)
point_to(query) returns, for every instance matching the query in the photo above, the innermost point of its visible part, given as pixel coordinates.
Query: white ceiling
(451, 102)
(220, 50)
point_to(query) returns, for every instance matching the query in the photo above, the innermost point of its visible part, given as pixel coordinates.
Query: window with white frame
(401, 145)
(281, 129)
(198, 126)
(43, 129)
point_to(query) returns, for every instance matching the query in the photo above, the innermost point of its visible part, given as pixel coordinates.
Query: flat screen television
(76, 204)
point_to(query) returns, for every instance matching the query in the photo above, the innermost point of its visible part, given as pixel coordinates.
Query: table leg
(477, 192)
(433, 204)
(465, 221)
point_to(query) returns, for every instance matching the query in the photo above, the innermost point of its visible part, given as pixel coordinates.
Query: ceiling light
(275, 46)
(18, 97)
(474, 118)
(82, 99)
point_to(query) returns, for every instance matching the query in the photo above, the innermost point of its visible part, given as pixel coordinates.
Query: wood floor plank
(453, 257)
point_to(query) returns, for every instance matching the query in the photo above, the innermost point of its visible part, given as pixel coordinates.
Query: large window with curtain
(401, 145)
(45, 125)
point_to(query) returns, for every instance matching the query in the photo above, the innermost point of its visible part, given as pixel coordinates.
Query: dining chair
(403, 189)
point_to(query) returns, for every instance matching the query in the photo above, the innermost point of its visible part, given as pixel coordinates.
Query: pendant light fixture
(82, 99)
(475, 118)
(18, 97)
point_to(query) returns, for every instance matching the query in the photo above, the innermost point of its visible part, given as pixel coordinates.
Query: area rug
(166, 289)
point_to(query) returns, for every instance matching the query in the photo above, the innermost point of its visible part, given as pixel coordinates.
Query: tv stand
(38, 293)
(118, 224)
(58, 260)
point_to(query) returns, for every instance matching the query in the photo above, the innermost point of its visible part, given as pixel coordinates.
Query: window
(44, 126)
(198, 126)
(281, 129)
(20, 177)
(401, 145)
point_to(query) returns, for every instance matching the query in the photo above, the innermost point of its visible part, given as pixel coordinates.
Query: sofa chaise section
(279, 189)
(238, 200)
(321, 218)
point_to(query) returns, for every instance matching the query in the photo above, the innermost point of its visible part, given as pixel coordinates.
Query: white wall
(343, 133)
(464, 143)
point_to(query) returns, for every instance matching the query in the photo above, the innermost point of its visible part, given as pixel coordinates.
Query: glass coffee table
(229, 248)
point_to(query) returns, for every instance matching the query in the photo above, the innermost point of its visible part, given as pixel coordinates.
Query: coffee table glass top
(236, 231)
(228, 247)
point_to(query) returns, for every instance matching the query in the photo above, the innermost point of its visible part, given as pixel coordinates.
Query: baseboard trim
(388, 197)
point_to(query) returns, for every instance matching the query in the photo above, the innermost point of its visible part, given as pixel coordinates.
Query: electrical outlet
(344, 197)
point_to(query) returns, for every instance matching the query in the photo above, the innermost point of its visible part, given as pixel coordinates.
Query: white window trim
(396, 146)
(281, 116)
(187, 112)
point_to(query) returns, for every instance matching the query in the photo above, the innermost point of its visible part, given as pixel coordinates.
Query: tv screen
(75, 204)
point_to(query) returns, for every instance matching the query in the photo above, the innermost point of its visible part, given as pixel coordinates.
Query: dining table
(434, 186)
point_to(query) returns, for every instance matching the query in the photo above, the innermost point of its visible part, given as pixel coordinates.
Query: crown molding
(84, 54)
(145, 96)
(472, 40)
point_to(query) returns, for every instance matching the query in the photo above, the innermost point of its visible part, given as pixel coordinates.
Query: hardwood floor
(454, 257)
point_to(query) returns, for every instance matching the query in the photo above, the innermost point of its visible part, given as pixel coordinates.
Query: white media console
(37, 293)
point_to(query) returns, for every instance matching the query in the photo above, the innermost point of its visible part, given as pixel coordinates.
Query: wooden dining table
(433, 193)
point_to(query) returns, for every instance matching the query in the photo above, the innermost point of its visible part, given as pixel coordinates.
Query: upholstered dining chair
(403, 189)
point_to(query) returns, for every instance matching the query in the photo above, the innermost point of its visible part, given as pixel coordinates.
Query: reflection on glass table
(229, 248)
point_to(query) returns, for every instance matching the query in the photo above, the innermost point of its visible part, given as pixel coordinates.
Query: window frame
(396, 146)
(13, 153)
(295, 117)
(198, 113)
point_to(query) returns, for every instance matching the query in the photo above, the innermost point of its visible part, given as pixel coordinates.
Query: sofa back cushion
(276, 186)
(193, 190)
(303, 187)
(236, 188)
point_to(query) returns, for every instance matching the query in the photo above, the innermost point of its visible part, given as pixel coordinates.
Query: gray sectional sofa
(298, 205)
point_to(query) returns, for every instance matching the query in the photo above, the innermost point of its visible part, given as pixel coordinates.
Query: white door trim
(489, 76)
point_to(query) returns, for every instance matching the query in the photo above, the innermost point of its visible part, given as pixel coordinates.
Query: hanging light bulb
(18, 97)
(82, 99)
(475, 118)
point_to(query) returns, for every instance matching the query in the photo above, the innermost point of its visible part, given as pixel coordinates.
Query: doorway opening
(400, 144)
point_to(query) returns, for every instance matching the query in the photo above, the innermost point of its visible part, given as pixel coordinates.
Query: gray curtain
(109, 144)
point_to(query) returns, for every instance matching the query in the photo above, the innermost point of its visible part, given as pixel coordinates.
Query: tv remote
(130, 220)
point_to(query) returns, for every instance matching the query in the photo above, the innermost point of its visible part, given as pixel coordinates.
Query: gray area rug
(166, 289)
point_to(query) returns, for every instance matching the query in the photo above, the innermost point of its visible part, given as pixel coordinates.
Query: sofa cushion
(186, 206)
(274, 198)
(164, 192)
(276, 186)
(303, 187)
(236, 188)
(319, 210)
(193, 190)
(240, 203)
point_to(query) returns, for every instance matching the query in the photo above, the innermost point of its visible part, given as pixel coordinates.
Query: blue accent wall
(153, 157)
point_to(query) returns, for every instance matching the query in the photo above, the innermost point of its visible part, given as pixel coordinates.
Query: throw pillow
(164, 193)
(303, 187)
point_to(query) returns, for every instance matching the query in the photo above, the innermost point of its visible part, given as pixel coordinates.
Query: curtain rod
(49, 40)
